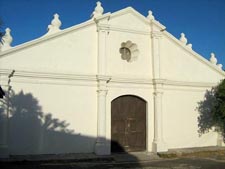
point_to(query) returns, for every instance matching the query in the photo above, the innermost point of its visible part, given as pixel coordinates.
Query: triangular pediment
(129, 18)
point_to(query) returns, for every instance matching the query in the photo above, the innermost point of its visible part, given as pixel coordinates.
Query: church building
(118, 82)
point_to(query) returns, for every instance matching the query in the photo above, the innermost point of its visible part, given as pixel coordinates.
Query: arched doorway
(128, 124)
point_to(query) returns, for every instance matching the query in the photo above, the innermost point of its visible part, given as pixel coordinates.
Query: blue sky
(203, 21)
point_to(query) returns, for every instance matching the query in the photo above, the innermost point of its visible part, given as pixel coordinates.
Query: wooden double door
(128, 124)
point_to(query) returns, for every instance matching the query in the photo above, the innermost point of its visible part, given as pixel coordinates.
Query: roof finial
(150, 15)
(183, 39)
(220, 66)
(98, 10)
(55, 24)
(189, 46)
(213, 59)
(6, 40)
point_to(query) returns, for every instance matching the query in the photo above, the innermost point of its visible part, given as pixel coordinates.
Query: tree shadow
(207, 119)
(33, 132)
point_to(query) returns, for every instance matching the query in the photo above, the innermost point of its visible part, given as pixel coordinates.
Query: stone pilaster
(101, 147)
(103, 31)
(156, 40)
(158, 143)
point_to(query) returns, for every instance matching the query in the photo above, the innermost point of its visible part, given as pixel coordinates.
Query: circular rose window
(129, 51)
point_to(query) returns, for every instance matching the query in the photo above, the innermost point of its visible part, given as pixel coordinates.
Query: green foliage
(212, 110)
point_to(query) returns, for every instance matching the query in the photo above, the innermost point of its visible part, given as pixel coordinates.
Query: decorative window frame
(129, 51)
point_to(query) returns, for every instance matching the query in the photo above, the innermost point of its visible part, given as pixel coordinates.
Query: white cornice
(188, 84)
(93, 77)
(149, 81)
(158, 24)
(120, 79)
(122, 29)
(105, 16)
(49, 75)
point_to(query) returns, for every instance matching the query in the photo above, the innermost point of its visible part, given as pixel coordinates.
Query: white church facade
(117, 82)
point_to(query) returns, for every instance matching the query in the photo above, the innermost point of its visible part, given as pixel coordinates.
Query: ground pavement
(182, 159)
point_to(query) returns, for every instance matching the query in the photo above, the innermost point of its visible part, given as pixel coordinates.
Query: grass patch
(219, 154)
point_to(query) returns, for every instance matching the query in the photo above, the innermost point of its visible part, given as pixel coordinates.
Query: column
(103, 31)
(158, 143)
(101, 146)
(156, 39)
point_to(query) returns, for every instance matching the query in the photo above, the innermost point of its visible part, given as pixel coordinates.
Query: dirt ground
(179, 160)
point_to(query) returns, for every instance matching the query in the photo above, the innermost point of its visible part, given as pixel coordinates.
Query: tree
(212, 110)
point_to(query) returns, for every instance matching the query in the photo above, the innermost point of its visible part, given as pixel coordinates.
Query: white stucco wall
(179, 64)
(124, 68)
(70, 101)
(127, 25)
(128, 18)
(71, 52)
(195, 75)
(180, 118)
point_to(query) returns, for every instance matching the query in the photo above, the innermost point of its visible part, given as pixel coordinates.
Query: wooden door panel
(118, 126)
(140, 126)
(132, 125)
(128, 124)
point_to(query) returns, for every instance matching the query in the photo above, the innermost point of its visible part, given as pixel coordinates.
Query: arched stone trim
(129, 94)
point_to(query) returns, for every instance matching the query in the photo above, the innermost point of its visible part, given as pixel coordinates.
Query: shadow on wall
(205, 118)
(211, 111)
(32, 131)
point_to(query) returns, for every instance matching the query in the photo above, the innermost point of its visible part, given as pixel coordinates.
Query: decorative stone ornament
(220, 66)
(98, 10)
(6, 40)
(213, 59)
(189, 46)
(129, 51)
(183, 39)
(150, 16)
(55, 25)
